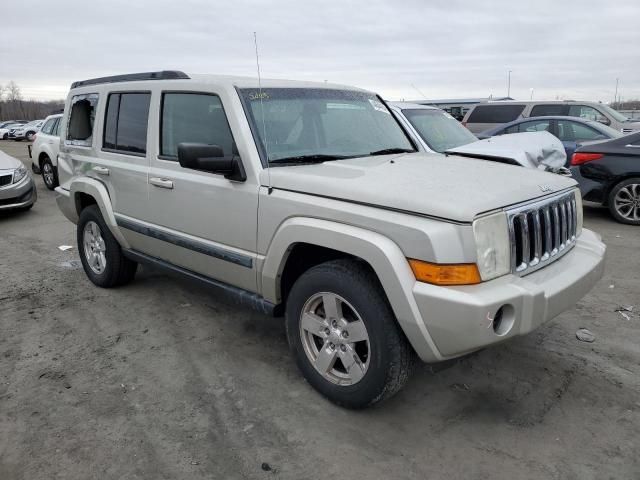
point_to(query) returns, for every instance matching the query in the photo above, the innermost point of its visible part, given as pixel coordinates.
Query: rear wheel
(100, 252)
(624, 201)
(49, 174)
(344, 335)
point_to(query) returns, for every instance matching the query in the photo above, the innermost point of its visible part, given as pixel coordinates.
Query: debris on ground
(624, 311)
(459, 387)
(64, 248)
(585, 335)
(611, 286)
(266, 467)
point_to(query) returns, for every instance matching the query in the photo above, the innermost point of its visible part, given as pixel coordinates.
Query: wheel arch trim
(383, 255)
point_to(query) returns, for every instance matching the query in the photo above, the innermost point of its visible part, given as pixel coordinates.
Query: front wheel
(100, 252)
(344, 335)
(49, 174)
(624, 201)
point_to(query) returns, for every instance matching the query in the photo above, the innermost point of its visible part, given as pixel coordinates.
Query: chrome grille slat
(541, 232)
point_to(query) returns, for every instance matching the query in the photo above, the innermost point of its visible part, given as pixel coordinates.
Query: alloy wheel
(94, 247)
(627, 202)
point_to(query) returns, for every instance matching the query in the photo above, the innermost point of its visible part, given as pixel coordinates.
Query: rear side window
(82, 119)
(495, 113)
(196, 118)
(49, 126)
(569, 131)
(125, 122)
(550, 109)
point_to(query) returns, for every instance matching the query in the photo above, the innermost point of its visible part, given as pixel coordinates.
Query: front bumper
(19, 195)
(460, 319)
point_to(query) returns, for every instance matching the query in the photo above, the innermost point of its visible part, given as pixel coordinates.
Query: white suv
(44, 151)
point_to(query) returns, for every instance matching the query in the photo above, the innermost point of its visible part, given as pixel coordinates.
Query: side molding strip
(238, 295)
(217, 252)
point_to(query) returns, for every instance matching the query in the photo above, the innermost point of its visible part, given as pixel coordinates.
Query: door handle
(161, 182)
(101, 170)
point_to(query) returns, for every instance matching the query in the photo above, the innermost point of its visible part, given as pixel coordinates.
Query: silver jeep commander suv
(310, 200)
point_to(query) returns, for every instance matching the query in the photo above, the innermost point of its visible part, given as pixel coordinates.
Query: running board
(238, 295)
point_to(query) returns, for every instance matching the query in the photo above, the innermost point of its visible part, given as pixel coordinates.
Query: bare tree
(13, 92)
(2, 89)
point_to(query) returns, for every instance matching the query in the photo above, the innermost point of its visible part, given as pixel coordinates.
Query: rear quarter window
(82, 119)
(495, 113)
(549, 110)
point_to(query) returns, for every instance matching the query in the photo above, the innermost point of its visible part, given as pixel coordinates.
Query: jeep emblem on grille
(546, 188)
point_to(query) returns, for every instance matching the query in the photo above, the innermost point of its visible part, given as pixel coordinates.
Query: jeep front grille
(542, 232)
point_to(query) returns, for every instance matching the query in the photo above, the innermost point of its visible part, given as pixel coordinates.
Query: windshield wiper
(389, 151)
(314, 158)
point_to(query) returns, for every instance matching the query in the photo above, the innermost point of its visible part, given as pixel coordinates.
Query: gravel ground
(161, 379)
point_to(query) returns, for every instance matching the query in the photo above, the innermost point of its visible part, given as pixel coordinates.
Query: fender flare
(381, 253)
(99, 192)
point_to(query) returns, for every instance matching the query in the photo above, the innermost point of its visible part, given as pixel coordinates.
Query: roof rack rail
(133, 77)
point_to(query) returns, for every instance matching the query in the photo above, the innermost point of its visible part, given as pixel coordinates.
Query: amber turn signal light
(445, 274)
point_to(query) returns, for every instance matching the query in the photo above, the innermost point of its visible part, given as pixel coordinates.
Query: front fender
(381, 253)
(98, 191)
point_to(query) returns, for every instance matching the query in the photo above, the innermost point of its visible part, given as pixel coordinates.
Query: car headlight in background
(19, 174)
(493, 247)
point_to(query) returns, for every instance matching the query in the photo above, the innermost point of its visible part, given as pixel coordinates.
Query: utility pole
(615, 97)
(509, 84)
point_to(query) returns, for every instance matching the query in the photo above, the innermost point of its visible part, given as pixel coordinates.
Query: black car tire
(118, 269)
(49, 173)
(5, 136)
(390, 356)
(614, 207)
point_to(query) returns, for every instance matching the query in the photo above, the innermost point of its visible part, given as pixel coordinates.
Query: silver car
(17, 188)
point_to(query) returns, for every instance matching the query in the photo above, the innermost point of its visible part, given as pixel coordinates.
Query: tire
(385, 358)
(5, 136)
(624, 201)
(49, 173)
(107, 267)
(35, 169)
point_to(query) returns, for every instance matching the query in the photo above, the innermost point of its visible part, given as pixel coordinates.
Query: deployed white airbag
(530, 149)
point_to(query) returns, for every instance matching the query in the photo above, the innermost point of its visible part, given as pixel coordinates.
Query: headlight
(579, 212)
(19, 174)
(493, 247)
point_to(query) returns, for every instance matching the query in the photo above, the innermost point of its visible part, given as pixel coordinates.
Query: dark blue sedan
(571, 131)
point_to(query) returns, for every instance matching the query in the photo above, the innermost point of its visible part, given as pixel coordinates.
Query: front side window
(438, 129)
(56, 128)
(125, 122)
(82, 119)
(588, 113)
(316, 124)
(193, 118)
(569, 131)
(49, 126)
(537, 126)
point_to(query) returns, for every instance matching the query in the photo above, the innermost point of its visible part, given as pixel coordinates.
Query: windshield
(438, 129)
(615, 114)
(321, 124)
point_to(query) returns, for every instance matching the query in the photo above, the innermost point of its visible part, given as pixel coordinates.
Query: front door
(198, 220)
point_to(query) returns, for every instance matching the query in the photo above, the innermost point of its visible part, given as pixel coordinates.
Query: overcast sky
(453, 48)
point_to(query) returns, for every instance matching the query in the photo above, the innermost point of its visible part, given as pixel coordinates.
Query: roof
(409, 105)
(443, 101)
(235, 81)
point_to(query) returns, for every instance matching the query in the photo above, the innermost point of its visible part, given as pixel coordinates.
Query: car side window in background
(495, 113)
(49, 126)
(549, 109)
(56, 128)
(196, 118)
(588, 113)
(569, 131)
(82, 119)
(511, 129)
(125, 124)
(536, 126)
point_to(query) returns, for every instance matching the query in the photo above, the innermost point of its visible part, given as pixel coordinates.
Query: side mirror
(210, 158)
(604, 120)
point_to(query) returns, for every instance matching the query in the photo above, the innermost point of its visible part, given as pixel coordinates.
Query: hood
(448, 187)
(8, 163)
(529, 149)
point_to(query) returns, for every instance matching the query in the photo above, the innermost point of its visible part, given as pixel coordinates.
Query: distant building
(458, 107)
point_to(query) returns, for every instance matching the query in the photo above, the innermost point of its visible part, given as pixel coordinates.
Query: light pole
(509, 83)
(615, 97)
(531, 97)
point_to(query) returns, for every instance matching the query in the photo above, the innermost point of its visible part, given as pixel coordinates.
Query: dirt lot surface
(162, 379)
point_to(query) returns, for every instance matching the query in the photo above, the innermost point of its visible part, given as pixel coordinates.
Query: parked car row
(20, 130)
